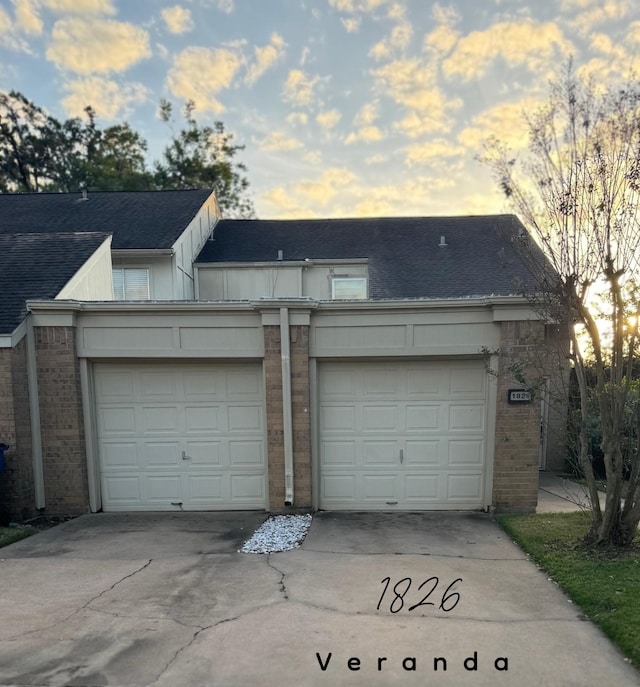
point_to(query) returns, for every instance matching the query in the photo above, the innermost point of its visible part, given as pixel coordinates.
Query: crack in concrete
(414, 553)
(144, 617)
(283, 588)
(81, 608)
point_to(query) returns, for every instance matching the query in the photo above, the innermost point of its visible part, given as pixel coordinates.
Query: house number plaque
(519, 396)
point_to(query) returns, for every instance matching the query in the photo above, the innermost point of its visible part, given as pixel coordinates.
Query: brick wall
(301, 415)
(61, 420)
(275, 434)
(517, 440)
(299, 350)
(16, 482)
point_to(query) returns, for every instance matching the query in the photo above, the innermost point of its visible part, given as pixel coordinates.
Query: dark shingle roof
(137, 219)
(405, 261)
(38, 266)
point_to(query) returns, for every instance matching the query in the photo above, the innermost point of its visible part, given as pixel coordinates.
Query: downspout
(34, 412)
(287, 422)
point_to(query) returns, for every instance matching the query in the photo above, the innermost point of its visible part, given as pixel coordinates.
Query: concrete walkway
(378, 599)
(560, 495)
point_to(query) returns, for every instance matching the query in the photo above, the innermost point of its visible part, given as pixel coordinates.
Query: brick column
(299, 351)
(16, 482)
(517, 441)
(300, 398)
(275, 434)
(61, 420)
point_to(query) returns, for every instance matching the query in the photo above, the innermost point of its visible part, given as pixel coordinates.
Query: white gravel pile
(278, 533)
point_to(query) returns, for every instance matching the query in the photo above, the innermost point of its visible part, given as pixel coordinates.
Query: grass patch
(605, 584)
(8, 535)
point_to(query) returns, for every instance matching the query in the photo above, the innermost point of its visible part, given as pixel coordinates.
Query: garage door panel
(203, 419)
(467, 452)
(122, 489)
(161, 454)
(378, 487)
(203, 453)
(118, 454)
(245, 418)
(464, 487)
(157, 385)
(245, 453)
(380, 418)
(339, 488)
(338, 418)
(190, 434)
(160, 420)
(423, 418)
(402, 435)
(338, 453)
(380, 453)
(419, 488)
(466, 418)
(247, 487)
(163, 488)
(426, 453)
(117, 420)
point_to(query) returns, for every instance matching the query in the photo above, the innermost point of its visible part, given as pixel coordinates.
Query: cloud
(27, 17)
(108, 98)
(399, 38)
(299, 88)
(506, 121)
(265, 58)
(610, 10)
(527, 43)
(8, 37)
(297, 118)
(367, 115)
(433, 153)
(81, 6)
(351, 25)
(277, 142)
(328, 119)
(375, 159)
(353, 6)
(413, 84)
(226, 6)
(177, 18)
(445, 15)
(199, 74)
(442, 39)
(93, 45)
(367, 134)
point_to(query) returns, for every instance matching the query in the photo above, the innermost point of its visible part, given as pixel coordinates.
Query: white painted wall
(161, 274)
(93, 281)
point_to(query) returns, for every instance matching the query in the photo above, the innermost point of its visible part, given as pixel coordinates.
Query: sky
(345, 107)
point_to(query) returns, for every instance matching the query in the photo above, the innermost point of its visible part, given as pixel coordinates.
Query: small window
(348, 288)
(131, 284)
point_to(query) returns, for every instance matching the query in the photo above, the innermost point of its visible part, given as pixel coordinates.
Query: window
(348, 288)
(131, 284)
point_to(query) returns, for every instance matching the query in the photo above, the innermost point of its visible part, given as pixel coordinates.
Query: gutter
(287, 421)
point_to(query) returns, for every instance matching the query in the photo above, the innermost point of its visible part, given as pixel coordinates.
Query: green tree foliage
(203, 157)
(40, 153)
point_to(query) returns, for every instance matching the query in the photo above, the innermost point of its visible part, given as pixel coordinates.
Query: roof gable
(137, 219)
(38, 266)
(481, 256)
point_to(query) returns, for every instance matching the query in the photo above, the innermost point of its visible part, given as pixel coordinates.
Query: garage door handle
(185, 456)
(401, 455)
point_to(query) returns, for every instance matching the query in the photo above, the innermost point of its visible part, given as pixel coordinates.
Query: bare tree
(577, 190)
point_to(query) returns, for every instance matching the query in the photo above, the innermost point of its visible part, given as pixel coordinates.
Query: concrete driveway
(166, 600)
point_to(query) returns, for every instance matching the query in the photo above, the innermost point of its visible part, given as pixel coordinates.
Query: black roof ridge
(373, 218)
(110, 191)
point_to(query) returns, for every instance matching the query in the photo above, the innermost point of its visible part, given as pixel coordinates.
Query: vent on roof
(442, 243)
(280, 255)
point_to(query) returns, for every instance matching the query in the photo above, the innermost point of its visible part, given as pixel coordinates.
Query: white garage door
(402, 435)
(174, 436)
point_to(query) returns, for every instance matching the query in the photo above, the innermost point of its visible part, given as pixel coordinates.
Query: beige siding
(93, 281)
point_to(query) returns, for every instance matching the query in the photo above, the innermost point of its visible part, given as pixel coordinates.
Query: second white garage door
(402, 435)
(180, 436)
